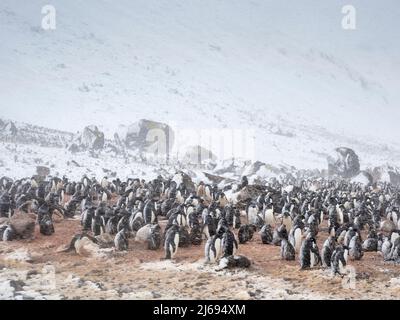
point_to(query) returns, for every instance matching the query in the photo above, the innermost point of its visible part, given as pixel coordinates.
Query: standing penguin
(278, 234)
(266, 234)
(339, 260)
(45, 221)
(327, 251)
(213, 249)
(355, 248)
(309, 253)
(121, 240)
(371, 243)
(229, 244)
(295, 237)
(287, 250)
(154, 240)
(386, 249)
(171, 243)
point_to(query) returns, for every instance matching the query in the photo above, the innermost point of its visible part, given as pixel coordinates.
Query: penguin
(171, 242)
(351, 232)
(252, 213)
(184, 237)
(98, 224)
(136, 221)
(229, 244)
(149, 214)
(279, 234)
(209, 228)
(266, 234)
(355, 248)
(309, 253)
(244, 234)
(213, 249)
(386, 249)
(327, 251)
(121, 240)
(46, 226)
(339, 260)
(154, 240)
(295, 237)
(222, 227)
(234, 262)
(111, 225)
(287, 250)
(287, 220)
(371, 243)
(269, 216)
(395, 251)
(195, 234)
(7, 233)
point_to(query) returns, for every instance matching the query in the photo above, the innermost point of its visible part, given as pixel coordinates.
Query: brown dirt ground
(143, 274)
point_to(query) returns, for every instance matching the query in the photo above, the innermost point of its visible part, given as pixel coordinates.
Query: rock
(42, 171)
(182, 177)
(8, 129)
(386, 174)
(23, 225)
(197, 155)
(90, 139)
(105, 240)
(143, 134)
(19, 255)
(143, 234)
(387, 226)
(344, 163)
(363, 177)
(86, 248)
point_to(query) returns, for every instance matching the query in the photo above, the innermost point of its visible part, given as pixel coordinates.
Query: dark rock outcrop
(344, 163)
(150, 136)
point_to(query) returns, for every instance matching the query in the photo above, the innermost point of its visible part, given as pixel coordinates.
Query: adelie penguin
(229, 244)
(121, 240)
(371, 243)
(278, 234)
(266, 234)
(46, 226)
(213, 249)
(154, 240)
(355, 248)
(246, 233)
(309, 253)
(339, 260)
(171, 242)
(7, 233)
(327, 251)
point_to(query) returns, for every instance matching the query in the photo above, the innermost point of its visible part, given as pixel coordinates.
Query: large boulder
(364, 178)
(344, 163)
(8, 129)
(90, 139)
(386, 174)
(197, 155)
(150, 136)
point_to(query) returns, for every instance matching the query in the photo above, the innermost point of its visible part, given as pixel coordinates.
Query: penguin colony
(288, 214)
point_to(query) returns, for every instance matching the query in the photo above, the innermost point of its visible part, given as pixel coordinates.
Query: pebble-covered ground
(36, 269)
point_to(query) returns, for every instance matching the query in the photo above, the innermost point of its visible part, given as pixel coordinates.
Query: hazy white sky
(98, 38)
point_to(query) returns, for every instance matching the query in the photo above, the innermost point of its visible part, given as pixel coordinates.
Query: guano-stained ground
(35, 269)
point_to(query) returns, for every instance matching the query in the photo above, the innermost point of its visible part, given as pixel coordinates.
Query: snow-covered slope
(285, 70)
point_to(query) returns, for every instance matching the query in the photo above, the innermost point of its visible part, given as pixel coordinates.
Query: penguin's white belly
(287, 221)
(269, 217)
(313, 259)
(297, 239)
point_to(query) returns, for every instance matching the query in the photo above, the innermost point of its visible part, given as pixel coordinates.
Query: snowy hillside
(250, 65)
